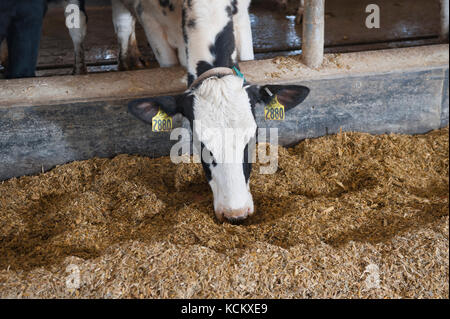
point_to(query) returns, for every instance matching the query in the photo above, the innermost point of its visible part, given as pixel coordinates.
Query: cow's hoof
(237, 220)
(135, 63)
(79, 70)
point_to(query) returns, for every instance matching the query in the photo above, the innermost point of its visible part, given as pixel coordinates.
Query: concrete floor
(403, 23)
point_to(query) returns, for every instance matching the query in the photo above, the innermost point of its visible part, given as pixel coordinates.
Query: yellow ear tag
(161, 122)
(274, 111)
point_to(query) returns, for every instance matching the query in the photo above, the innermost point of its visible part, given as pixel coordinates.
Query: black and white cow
(162, 24)
(124, 26)
(217, 98)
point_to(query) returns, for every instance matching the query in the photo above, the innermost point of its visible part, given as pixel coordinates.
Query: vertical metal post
(313, 32)
(444, 19)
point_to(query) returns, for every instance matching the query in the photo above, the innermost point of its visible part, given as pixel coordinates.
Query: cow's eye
(207, 156)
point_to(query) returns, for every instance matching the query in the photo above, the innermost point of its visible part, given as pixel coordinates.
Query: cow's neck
(210, 41)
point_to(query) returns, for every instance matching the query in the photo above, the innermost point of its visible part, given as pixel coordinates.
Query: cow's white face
(220, 110)
(224, 125)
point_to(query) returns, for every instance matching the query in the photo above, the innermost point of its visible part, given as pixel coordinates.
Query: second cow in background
(162, 21)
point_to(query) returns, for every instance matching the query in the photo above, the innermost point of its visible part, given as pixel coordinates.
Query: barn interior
(357, 209)
(405, 23)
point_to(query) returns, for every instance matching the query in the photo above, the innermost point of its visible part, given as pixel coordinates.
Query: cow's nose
(234, 215)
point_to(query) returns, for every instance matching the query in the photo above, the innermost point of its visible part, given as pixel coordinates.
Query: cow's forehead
(222, 110)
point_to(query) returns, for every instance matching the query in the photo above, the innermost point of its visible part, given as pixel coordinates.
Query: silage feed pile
(347, 216)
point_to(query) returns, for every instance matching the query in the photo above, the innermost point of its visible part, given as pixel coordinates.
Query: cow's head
(220, 103)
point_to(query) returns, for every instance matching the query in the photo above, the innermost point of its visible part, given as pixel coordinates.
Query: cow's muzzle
(234, 215)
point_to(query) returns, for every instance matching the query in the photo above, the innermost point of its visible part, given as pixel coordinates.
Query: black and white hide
(218, 102)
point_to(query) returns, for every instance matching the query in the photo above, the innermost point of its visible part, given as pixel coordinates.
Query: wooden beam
(161, 81)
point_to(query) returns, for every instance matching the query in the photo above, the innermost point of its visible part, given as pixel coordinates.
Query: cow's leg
(157, 38)
(243, 31)
(77, 25)
(124, 24)
(300, 11)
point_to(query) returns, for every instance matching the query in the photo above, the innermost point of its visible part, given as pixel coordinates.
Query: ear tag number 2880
(274, 111)
(161, 122)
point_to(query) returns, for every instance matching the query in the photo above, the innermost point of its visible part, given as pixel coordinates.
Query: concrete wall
(50, 121)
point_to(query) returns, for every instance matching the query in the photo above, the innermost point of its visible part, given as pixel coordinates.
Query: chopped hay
(346, 216)
(290, 63)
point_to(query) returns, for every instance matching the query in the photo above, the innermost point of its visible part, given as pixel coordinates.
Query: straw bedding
(346, 216)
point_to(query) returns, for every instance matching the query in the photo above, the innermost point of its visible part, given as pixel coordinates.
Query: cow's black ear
(145, 109)
(288, 95)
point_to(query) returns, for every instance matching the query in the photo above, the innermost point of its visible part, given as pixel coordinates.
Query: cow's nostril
(233, 215)
(236, 215)
(236, 220)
